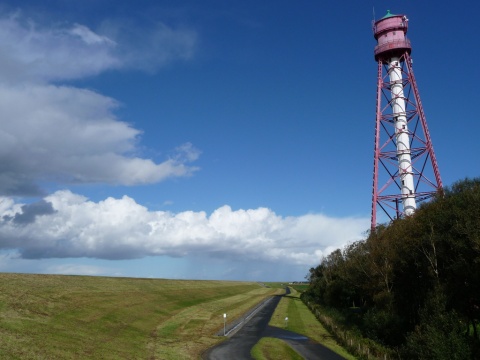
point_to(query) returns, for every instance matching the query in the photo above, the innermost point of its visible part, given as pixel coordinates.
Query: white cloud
(73, 226)
(31, 52)
(89, 37)
(69, 135)
(35, 52)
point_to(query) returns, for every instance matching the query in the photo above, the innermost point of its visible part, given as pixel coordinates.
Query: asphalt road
(239, 345)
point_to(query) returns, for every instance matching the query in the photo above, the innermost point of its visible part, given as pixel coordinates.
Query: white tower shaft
(402, 156)
(402, 137)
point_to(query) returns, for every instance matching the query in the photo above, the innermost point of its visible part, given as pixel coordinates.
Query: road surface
(239, 345)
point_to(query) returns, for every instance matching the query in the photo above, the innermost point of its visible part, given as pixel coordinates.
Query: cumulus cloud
(50, 132)
(74, 226)
(29, 212)
(71, 135)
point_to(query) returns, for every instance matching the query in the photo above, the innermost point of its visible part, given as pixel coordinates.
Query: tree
(417, 278)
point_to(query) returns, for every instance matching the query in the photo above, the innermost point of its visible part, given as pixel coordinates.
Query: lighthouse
(405, 167)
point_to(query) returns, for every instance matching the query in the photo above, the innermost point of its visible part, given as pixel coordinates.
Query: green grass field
(80, 317)
(274, 349)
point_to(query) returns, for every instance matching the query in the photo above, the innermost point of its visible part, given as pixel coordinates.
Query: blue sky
(208, 139)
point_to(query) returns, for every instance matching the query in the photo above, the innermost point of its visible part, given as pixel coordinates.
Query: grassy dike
(81, 317)
(300, 320)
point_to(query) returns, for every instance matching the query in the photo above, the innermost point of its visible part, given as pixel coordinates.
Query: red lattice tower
(405, 170)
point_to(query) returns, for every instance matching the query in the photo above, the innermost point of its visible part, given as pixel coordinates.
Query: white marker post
(286, 321)
(224, 323)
